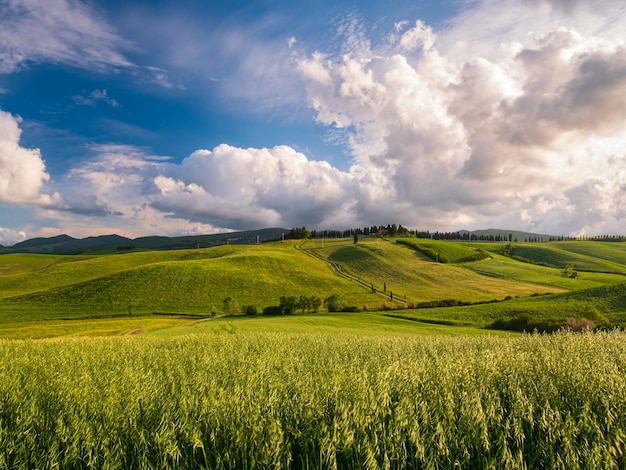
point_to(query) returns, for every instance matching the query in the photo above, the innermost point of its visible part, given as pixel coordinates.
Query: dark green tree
(288, 304)
(229, 306)
(335, 303)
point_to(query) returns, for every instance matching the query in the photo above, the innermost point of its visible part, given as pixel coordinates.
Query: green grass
(35, 329)
(558, 256)
(609, 301)
(507, 268)
(38, 291)
(445, 251)
(185, 282)
(26, 273)
(361, 324)
(258, 400)
(408, 272)
(610, 251)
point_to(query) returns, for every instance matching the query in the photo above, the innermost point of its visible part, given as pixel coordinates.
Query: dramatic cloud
(226, 188)
(510, 115)
(22, 171)
(242, 188)
(531, 131)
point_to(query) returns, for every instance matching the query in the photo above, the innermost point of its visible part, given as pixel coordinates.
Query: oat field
(280, 400)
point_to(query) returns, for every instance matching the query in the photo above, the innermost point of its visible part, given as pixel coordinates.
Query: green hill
(407, 271)
(191, 282)
(605, 305)
(126, 289)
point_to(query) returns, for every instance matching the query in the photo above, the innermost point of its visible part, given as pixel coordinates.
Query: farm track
(337, 270)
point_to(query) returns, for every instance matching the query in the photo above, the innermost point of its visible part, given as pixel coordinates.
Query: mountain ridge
(65, 244)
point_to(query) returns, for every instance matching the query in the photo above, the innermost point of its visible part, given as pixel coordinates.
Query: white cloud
(94, 97)
(10, 237)
(63, 31)
(22, 171)
(70, 32)
(530, 123)
(131, 191)
(511, 116)
(420, 35)
(242, 188)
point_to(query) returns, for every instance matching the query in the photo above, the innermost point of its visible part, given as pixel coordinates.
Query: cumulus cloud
(9, 237)
(242, 188)
(511, 115)
(22, 171)
(531, 125)
(224, 188)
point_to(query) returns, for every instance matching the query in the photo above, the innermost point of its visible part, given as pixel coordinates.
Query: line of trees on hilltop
(391, 230)
(397, 230)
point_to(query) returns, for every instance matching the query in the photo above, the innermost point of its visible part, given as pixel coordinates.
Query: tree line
(289, 305)
(398, 230)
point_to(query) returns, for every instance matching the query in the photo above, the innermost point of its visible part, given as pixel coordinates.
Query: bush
(273, 310)
(335, 303)
(584, 324)
(250, 310)
(230, 306)
(528, 323)
(288, 305)
(587, 318)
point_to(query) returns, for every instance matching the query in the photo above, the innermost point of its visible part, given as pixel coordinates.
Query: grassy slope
(609, 300)
(507, 268)
(46, 289)
(180, 282)
(26, 273)
(408, 272)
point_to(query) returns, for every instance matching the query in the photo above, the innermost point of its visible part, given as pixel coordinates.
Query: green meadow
(131, 360)
(118, 293)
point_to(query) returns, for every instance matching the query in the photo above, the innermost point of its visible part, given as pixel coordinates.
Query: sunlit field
(278, 400)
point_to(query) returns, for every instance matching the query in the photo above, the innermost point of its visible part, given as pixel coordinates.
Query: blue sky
(189, 117)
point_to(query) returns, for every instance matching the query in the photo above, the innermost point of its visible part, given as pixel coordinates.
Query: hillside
(180, 282)
(42, 294)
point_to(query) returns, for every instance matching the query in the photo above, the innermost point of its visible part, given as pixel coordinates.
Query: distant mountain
(64, 244)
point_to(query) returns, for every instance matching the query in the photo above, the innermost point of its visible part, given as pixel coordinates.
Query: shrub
(250, 310)
(230, 306)
(584, 324)
(288, 305)
(335, 303)
(273, 310)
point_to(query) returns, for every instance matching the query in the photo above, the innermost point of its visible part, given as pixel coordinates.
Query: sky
(177, 117)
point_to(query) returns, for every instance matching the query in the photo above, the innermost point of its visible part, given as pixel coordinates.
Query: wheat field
(280, 400)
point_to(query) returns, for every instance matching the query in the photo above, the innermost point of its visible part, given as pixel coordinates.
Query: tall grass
(314, 401)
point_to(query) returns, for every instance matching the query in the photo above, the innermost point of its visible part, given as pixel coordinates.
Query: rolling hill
(41, 293)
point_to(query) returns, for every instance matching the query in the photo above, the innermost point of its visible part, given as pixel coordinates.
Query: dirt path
(134, 332)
